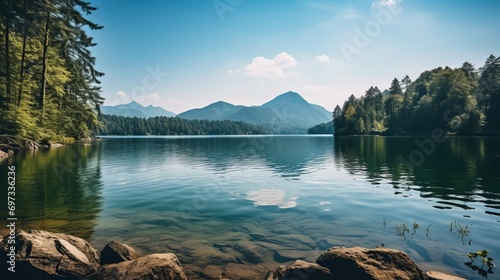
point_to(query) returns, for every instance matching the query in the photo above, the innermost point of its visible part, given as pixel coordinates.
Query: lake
(247, 204)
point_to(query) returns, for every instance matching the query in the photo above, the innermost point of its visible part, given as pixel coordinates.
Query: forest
(119, 125)
(322, 128)
(49, 88)
(461, 101)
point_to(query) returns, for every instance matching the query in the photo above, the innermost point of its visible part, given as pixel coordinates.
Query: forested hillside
(323, 128)
(48, 84)
(464, 100)
(119, 125)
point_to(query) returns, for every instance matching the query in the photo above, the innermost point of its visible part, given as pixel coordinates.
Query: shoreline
(116, 260)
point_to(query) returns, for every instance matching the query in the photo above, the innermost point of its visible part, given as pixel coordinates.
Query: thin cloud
(322, 58)
(350, 13)
(121, 93)
(271, 68)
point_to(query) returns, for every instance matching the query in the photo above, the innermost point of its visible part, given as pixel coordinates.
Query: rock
(436, 275)
(306, 271)
(212, 272)
(3, 155)
(291, 241)
(46, 255)
(277, 274)
(56, 145)
(361, 263)
(240, 272)
(249, 251)
(116, 252)
(155, 266)
(287, 255)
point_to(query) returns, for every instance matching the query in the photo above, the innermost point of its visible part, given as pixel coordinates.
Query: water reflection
(283, 197)
(57, 189)
(456, 173)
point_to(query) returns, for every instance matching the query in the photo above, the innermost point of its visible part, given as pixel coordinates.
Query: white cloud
(322, 58)
(234, 72)
(386, 2)
(269, 197)
(271, 68)
(121, 93)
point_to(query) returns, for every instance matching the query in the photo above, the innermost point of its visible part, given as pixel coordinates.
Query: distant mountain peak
(134, 109)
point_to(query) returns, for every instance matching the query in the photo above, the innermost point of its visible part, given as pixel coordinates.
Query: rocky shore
(45, 255)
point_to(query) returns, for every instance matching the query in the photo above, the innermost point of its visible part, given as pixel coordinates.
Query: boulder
(305, 271)
(155, 266)
(116, 252)
(360, 263)
(46, 255)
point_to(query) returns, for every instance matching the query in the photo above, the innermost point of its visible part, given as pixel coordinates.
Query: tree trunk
(44, 65)
(7, 58)
(23, 55)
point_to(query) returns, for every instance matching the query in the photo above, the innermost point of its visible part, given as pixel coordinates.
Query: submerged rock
(360, 263)
(436, 275)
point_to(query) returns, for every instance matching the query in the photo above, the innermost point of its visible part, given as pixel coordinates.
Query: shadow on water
(57, 189)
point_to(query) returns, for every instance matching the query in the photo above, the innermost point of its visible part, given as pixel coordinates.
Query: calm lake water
(245, 205)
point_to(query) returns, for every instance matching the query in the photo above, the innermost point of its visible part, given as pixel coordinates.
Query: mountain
(291, 107)
(134, 109)
(215, 111)
(286, 113)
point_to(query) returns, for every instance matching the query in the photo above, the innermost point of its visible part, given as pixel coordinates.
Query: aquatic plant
(401, 230)
(415, 227)
(460, 230)
(482, 256)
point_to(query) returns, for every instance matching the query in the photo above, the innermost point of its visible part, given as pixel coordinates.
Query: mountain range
(286, 113)
(134, 109)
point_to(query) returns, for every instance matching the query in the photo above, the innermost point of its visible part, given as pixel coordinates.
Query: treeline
(48, 84)
(323, 128)
(464, 100)
(119, 125)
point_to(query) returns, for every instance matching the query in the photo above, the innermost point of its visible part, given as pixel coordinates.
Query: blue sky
(183, 54)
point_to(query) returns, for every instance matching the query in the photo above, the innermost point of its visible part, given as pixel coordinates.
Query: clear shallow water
(244, 205)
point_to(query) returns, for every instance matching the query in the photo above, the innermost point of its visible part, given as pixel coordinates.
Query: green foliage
(458, 101)
(482, 256)
(47, 77)
(324, 128)
(119, 125)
